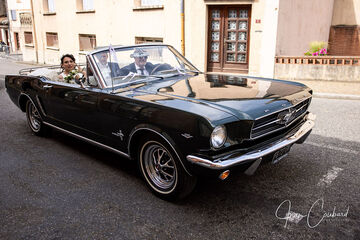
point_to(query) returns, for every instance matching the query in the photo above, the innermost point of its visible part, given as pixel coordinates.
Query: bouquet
(71, 75)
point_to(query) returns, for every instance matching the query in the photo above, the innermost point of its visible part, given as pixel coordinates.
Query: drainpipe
(182, 15)
(34, 31)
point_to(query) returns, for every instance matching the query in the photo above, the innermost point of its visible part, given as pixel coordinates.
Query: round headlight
(218, 137)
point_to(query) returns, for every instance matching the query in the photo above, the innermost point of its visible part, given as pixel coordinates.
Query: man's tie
(142, 71)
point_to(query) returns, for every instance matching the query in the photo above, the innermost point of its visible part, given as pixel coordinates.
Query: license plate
(280, 154)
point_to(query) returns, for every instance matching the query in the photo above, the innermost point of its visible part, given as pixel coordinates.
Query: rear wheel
(162, 170)
(34, 120)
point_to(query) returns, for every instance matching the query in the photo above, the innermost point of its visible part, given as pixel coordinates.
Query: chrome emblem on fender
(118, 134)
(186, 135)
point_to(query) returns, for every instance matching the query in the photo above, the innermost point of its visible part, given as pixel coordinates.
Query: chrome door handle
(47, 86)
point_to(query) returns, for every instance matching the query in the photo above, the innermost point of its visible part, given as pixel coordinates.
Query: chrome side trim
(41, 107)
(88, 140)
(25, 96)
(130, 137)
(235, 159)
(31, 102)
(47, 86)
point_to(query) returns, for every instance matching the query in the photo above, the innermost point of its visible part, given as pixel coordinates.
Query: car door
(72, 107)
(119, 115)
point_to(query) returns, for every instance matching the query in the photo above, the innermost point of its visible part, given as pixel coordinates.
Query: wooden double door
(228, 38)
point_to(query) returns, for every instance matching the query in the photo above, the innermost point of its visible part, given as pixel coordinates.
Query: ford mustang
(148, 103)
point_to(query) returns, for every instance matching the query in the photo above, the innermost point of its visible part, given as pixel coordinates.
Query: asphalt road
(61, 188)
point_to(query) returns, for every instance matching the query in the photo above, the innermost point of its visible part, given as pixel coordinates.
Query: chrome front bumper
(236, 159)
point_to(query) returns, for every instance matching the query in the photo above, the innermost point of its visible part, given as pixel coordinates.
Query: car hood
(239, 96)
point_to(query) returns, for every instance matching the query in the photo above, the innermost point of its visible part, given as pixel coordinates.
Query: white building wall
(113, 22)
(268, 40)
(119, 22)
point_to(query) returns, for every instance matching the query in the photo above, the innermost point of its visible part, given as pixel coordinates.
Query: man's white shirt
(106, 72)
(138, 70)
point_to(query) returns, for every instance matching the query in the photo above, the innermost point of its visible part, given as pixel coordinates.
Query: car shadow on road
(97, 154)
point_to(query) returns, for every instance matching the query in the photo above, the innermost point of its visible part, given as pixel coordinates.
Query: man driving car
(140, 64)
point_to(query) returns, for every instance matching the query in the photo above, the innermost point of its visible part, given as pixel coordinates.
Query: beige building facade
(20, 24)
(227, 36)
(4, 23)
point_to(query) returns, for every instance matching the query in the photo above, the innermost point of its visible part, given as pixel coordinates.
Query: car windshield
(140, 63)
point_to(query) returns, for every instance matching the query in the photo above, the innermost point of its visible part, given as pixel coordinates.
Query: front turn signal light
(224, 174)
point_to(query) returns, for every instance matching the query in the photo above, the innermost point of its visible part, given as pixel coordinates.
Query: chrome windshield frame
(93, 67)
(98, 75)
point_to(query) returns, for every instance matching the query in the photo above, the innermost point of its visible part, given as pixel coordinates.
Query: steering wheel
(160, 67)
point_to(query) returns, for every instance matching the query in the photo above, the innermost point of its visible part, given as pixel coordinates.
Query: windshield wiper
(174, 72)
(192, 71)
(157, 76)
(183, 71)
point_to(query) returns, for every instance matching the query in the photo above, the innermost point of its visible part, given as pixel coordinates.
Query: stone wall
(349, 73)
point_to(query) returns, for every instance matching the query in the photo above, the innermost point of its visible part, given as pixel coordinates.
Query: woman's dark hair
(67, 55)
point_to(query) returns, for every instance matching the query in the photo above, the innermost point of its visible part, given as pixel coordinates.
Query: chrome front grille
(279, 120)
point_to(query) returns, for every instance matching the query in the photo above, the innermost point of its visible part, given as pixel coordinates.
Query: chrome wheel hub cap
(159, 166)
(34, 117)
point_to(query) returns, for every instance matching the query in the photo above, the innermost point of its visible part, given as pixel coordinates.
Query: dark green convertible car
(148, 103)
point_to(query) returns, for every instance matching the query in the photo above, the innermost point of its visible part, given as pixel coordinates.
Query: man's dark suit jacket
(132, 68)
(115, 69)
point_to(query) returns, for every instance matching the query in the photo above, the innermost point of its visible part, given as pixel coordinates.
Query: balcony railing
(319, 60)
(25, 19)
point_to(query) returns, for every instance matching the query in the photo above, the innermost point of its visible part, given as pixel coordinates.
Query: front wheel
(34, 120)
(162, 170)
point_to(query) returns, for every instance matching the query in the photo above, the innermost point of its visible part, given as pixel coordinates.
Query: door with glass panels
(228, 39)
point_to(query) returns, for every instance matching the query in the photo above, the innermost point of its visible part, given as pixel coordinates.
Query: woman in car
(71, 73)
